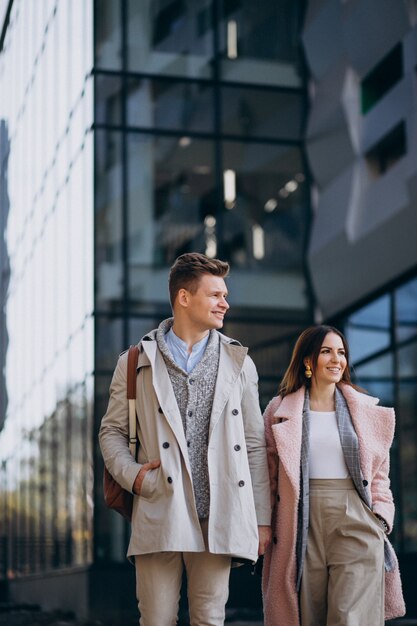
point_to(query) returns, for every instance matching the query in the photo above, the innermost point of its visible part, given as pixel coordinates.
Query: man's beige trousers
(343, 576)
(158, 586)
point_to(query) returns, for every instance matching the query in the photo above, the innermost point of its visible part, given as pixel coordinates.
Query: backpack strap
(132, 363)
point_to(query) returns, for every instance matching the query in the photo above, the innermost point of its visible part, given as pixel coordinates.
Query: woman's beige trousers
(343, 576)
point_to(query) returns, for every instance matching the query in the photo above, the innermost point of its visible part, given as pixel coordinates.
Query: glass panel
(108, 34)
(78, 475)
(63, 443)
(407, 361)
(170, 105)
(387, 151)
(108, 99)
(110, 535)
(382, 78)
(109, 342)
(368, 330)
(108, 219)
(138, 327)
(407, 411)
(171, 192)
(3, 520)
(172, 38)
(265, 205)
(259, 41)
(261, 113)
(406, 310)
(377, 368)
(384, 390)
(270, 342)
(47, 472)
(48, 180)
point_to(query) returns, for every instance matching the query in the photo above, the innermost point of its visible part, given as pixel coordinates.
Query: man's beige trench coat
(164, 515)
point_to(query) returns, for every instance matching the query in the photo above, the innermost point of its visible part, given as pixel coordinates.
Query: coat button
(169, 479)
(278, 498)
(160, 410)
(275, 540)
(191, 381)
(241, 483)
(235, 412)
(190, 413)
(237, 447)
(365, 483)
(165, 444)
(188, 443)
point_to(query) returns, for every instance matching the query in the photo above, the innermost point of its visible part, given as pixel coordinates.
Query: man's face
(207, 307)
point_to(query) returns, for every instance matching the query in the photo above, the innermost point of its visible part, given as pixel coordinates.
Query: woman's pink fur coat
(374, 426)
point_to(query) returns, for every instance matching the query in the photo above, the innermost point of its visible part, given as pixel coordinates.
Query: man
(201, 480)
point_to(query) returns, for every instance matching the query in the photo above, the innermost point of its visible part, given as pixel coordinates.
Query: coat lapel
(288, 435)
(232, 357)
(374, 426)
(164, 392)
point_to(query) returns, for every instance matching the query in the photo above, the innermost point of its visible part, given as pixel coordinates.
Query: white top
(326, 454)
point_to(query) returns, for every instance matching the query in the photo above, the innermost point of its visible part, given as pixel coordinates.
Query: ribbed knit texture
(194, 393)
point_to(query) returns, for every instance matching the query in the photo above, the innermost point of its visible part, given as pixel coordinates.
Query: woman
(330, 563)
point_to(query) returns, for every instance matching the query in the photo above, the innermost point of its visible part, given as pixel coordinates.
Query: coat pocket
(149, 489)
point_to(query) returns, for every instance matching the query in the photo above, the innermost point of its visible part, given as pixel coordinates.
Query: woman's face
(331, 362)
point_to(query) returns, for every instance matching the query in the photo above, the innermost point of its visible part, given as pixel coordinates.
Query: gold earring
(308, 373)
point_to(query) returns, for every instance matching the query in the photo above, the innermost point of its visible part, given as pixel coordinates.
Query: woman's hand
(265, 537)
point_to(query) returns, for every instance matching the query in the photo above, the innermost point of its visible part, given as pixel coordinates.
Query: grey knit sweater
(194, 393)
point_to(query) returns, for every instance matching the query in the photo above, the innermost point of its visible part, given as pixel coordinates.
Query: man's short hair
(188, 269)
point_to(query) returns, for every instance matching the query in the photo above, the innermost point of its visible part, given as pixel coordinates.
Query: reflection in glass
(108, 219)
(171, 191)
(49, 300)
(261, 113)
(407, 408)
(108, 99)
(54, 526)
(110, 536)
(139, 326)
(264, 224)
(109, 341)
(259, 41)
(392, 377)
(170, 105)
(368, 330)
(172, 38)
(108, 34)
(406, 310)
(407, 361)
(381, 367)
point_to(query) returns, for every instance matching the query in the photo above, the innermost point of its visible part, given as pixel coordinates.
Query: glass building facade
(131, 132)
(382, 335)
(46, 443)
(383, 339)
(199, 115)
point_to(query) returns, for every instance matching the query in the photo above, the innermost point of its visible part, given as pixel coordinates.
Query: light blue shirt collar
(179, 351)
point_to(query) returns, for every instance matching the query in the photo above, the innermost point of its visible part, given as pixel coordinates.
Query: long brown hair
(308, 345)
